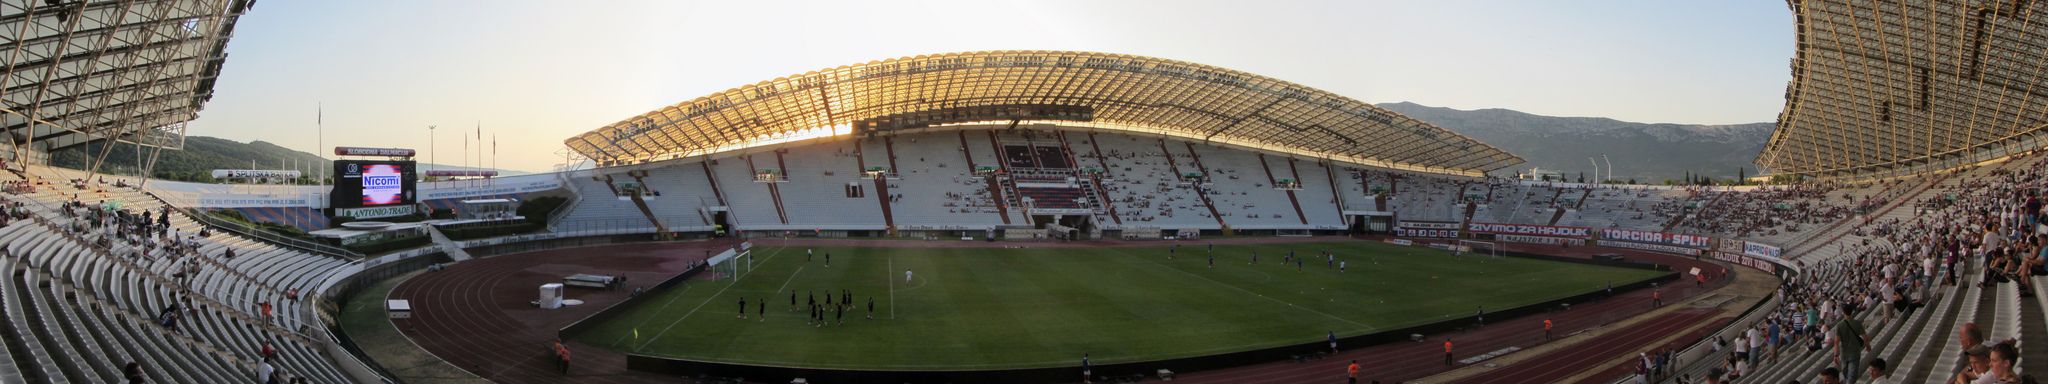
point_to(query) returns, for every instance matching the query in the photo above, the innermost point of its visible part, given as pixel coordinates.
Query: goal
(729, 265)
(1477, 248)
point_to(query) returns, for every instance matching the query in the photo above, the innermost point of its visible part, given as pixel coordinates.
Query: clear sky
(535, 72)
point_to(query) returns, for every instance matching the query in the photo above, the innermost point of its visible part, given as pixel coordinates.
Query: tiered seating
(749, 203)
(937, 190)
(1317, 202)
(1144, 188)
(1427, 199)
(816, 196)
(78, 312)
(1240, 190)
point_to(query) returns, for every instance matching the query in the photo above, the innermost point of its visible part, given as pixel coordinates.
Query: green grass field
(1012, 308)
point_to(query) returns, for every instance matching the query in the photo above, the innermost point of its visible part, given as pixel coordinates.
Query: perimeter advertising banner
(1529, 230)
(1650, 237)
(1651, 247)
(1429, 233)
(1761, 250)
(1428, 225)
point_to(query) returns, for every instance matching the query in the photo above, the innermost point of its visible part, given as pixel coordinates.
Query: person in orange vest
(1546, 329)
(1447, 352)
(1656, 297)
(1351, 372)
(561, 356)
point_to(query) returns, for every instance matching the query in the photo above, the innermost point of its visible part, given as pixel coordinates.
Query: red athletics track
(1556, 366)
(476, 315)
(1404, 361)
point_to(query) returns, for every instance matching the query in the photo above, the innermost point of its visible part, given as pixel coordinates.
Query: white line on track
(714, 295)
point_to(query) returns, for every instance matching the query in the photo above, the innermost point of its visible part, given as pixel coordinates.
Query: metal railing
(249, 231)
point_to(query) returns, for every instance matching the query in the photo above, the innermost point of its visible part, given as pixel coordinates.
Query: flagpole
(320, 138)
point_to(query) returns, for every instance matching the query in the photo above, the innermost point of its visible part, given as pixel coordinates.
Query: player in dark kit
(743, 307)
(792, 300)
(761, 310)
(871, 307)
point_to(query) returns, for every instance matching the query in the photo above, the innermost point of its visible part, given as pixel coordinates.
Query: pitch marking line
(714, 295)
(785, 283)
(1289, 305)
(664, 308)
(890, 276)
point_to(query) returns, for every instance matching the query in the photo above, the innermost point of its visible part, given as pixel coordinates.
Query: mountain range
(203, 154)
(1648, 153)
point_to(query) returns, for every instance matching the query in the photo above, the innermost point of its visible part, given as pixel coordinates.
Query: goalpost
(1477, 247)
(728, 265)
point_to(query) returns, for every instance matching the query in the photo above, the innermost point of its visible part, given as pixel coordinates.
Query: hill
(203, 154)
(1649, 153)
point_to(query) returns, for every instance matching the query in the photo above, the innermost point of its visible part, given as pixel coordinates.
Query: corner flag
(636, 333)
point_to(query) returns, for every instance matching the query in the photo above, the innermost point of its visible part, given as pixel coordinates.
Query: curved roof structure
(1109, 91)
(1885, 88)
(79, 71)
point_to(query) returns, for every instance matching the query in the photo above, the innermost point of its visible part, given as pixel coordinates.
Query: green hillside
(201, 156)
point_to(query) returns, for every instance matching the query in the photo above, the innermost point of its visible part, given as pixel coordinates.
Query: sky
(533, 73)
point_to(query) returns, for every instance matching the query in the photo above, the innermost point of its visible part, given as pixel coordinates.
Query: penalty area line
(707, 300)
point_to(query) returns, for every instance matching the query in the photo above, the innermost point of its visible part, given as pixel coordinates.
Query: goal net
(729, 264)
(1476, 247)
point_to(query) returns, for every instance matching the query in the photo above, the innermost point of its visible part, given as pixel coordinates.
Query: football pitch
(990, 308)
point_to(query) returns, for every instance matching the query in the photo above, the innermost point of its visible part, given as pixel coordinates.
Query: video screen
(363, 183)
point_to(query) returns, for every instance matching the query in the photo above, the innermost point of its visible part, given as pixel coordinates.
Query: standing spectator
(1447, 352)
(1351, 373)
(1087, 375)
(1546, 329)
(1849, 345)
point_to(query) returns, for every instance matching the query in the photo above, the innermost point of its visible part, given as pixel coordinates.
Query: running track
(475, 315)
(1399, 362)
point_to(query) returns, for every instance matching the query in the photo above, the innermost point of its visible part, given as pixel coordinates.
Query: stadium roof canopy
(1894, 88)
(79, 71)
(1117, 92)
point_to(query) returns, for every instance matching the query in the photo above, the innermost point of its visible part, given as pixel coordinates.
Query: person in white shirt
(906, 276)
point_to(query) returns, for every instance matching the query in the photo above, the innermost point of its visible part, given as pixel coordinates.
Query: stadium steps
(2034, 323)
(1205, 192)
(98, 362)
(31, 362)
(1932, 312)
(1274, 182)
(455, 251)
(21, 290)
(1928, 365)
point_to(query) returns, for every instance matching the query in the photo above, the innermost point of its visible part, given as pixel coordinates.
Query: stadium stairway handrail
(245, 231)
(561, 211)
(1835, 231)
(1694, 353)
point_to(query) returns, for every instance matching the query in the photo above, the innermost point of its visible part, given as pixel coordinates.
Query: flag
(636, 333)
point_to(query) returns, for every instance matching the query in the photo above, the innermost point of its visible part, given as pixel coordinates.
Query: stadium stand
(96, 281)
